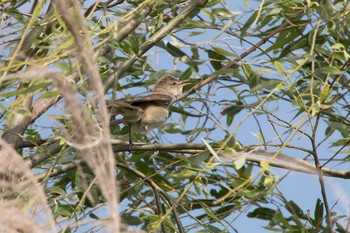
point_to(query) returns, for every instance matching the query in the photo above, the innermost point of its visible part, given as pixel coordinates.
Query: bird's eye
(174, 83)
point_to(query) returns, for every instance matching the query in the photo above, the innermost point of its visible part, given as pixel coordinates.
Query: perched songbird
(148, 112)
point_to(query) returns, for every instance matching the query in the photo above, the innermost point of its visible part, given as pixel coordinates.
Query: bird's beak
(184, 83)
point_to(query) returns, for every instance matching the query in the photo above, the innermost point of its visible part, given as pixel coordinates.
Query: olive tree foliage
(269, 92)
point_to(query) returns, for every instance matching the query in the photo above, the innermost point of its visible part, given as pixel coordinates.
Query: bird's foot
(155, 141)
(130, 146)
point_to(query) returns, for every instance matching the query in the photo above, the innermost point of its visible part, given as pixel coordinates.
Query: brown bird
(148, 112)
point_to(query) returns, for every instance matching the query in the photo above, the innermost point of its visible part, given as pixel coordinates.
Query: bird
(145, 113)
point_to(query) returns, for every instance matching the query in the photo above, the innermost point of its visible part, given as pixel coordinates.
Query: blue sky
(301, 188)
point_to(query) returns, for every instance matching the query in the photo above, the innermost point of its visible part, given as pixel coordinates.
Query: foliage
(275, 69)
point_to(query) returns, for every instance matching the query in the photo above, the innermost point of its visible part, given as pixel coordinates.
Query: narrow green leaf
(174, 51)
(343, 128)
(211, 149)
(283, 39)
(215, 59)
(223, 52)
(318, 214)
(252, 77)
(50, 94)
(30, 89)
(293, 208)
(195, 53)
(248, 24)
(331, 70)
(262, 213)
(211, 214)
(211, 229)
(325, 92)
(268, 84)
(279, 67)
(67, 43)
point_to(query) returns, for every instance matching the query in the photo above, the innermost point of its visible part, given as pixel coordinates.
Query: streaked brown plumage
(151, 111)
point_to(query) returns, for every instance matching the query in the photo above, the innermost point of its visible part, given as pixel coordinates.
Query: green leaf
(223, 52)
(198, 130)
(247, 171)
(211, 215)
(234, 109)
(247, 24)
(212, 151)
(158, 179)
(174, 51)
(284, 38)
(252, 77)
(93, 216)
(294, 45)
(55, 190)
(50, 94)
(225, 211)
(201, 157)
(225, 71)
(183, 175)
(64, 211)
(279, 67)
(67, 43)
(331, 70)
(293, 208)
(278, 218)
(265, 166)
(342, 142)
(231, 111)
(229, 119)
(262, 213)
(215, 59)
(181, 111)
(269, 181)
(318, 214)
(325, 92)
(131, 220)
(338, 47)
(210, 229)
(268, 84)
(134, 43)
(341, 127)
(186, 74)
(195, 53)
(281, 86)
(31, 89)
(222, 13)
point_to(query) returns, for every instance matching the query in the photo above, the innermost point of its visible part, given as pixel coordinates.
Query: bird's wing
(132, 109)
(131, 113)
(154, 99)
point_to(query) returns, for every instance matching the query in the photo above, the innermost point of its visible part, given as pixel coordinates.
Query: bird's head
(169, 85)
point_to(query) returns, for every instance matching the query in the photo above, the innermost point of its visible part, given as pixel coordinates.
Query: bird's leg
(152, 136)
(130, 141)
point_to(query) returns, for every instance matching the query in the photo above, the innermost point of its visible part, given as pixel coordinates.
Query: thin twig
(233, 63)
(173, 23)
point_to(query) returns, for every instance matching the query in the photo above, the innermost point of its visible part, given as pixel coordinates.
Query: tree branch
(243, 55)
(166, 30)
(281, 161)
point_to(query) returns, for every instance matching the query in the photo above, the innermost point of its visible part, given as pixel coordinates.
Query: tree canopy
(268, 98)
